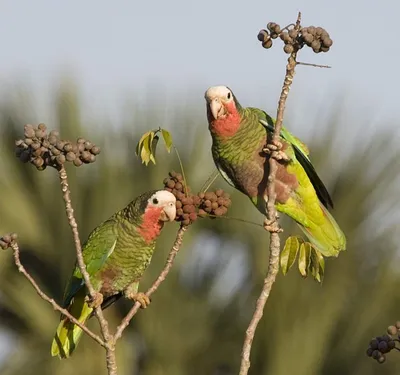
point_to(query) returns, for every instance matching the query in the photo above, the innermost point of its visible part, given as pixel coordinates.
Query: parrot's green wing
(97, 249)
(301, 153)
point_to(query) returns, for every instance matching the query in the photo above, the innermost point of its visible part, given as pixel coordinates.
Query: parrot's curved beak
(217, 109)
(168, 213)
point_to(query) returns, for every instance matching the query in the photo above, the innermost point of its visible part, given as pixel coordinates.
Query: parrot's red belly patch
(108, 277)
(151, 226)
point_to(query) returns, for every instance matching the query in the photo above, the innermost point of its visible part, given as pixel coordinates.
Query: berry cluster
(191, 206)
(214, 203)
(381, 345)
(44, 149)
(316, 38)
(265, 36)
(185, 202)
(7, 239)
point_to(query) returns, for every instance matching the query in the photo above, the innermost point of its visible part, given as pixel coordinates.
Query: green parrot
(239, 137)
(116, 255)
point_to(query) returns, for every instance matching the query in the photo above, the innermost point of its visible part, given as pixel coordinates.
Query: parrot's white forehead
(217, 92)
(163, 196)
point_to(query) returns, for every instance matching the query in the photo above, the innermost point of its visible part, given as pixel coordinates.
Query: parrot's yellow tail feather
(68, 334)
(328, 238)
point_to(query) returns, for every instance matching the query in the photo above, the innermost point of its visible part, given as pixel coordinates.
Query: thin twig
(171, 256)
(108, 339)
(44, 296)
(210, 180)
(182, 170)
(237, 219)
(314, 65)
(273, 227)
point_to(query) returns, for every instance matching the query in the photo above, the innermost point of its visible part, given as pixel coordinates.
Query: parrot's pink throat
(226, 126)
(151, 226)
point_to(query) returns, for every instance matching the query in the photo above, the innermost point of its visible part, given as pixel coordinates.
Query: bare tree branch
(313, 65)
(108, 339)
(171, 257)
(271, 222)
(14, 246)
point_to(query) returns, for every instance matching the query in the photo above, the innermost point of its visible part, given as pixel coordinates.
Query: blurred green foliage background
(198, 317)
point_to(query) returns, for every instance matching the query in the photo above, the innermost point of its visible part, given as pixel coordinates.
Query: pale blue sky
(112, 47)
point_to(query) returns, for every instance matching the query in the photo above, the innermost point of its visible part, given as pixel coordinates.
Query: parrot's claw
(272, 226)
(273, 146)
(275, 150)
(280, 155)
(140, 297)
(96, 301)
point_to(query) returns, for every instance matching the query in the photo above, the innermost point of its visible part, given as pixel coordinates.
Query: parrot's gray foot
(140, 297)
(272, 226)
(96, 301)
(275, 150)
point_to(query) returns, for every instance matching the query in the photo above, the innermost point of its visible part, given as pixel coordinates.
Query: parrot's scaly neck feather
(151, 226)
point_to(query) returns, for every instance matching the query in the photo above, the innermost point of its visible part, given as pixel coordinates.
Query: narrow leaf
(167, 139)
(139, 145)
(146, 153)
(314, 263)
(153, 147)
(289, 253)
(304, 258)
(321, 261)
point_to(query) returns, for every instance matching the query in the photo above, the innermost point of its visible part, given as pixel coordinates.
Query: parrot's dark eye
(155, 201)
(229, 95)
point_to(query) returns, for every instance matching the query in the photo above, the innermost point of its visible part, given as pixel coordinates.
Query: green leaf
(321, 266)
(140, 143)
(304, 258)
(153, 148)
(145, 152)
(167, 139)
(289, 253)
(314, 263)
